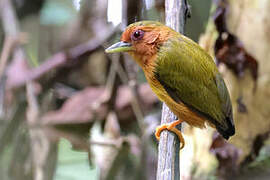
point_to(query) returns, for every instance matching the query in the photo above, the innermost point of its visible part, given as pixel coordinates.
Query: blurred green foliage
(199, 18)
(73, 165)
(57, 12)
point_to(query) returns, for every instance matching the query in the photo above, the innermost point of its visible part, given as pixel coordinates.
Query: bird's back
(191, 79)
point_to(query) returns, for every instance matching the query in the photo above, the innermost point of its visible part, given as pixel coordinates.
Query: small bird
(181, 74)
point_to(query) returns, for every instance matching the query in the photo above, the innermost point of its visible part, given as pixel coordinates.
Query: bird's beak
(119, 47)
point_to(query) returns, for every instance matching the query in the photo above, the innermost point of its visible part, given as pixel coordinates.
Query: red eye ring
(137, 35)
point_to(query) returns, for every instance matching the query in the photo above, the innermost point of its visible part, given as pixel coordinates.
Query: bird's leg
(171, 127)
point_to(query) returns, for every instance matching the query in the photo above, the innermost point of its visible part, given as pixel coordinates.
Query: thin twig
(40, 144)
(9, 43)
(134, 103)
(60, 59)
(169, 145)
(114, 144)
(33, 107)
(109, 87)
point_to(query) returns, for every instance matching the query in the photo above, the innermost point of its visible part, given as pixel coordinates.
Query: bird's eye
(137, 35)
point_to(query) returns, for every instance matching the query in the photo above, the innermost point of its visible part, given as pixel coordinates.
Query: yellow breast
(178, 108)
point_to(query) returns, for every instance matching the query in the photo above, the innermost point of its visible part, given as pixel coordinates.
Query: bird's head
(142, 40)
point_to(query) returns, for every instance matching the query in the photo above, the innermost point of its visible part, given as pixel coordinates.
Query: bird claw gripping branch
(171, 127)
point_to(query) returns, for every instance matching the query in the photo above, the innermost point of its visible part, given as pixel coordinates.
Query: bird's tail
(229, 131)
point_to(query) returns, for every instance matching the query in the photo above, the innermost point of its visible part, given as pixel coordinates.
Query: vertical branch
(169, 145)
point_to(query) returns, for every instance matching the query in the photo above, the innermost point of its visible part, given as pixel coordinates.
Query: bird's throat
(146, 62)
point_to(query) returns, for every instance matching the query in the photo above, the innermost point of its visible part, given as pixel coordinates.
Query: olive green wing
(189, 75)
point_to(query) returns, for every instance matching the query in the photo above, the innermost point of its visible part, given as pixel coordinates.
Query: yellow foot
(171, 127)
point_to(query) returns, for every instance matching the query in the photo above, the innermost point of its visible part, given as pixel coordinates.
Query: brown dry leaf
(88, 104)
(124, 98)
(229, 49)
(147, 96)
(82, 107)
(79, 142)
(227, 155)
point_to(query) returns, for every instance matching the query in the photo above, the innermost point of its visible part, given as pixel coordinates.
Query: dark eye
(137, 35)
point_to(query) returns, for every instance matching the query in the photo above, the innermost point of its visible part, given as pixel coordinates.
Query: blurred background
(68, 111)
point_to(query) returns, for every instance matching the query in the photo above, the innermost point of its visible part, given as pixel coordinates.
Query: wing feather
(189, 75)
